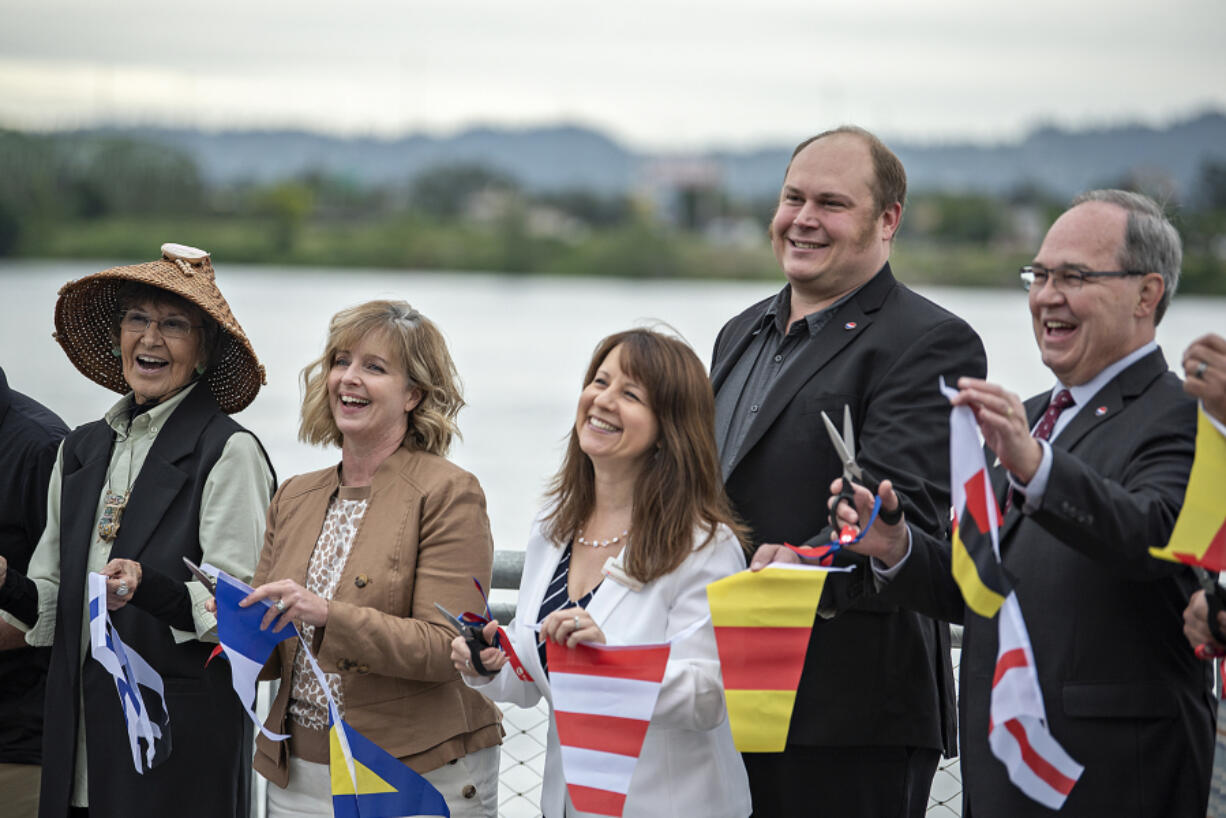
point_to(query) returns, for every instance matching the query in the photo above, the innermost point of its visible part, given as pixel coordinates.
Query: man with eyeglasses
(1091, 474)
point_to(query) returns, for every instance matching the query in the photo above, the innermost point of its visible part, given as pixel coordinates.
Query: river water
(521, 345)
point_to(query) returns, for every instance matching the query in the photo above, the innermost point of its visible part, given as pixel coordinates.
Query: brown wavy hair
(417, 347)
(681, 486)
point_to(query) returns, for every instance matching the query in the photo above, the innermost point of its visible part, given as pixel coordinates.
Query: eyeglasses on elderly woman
(173, 327)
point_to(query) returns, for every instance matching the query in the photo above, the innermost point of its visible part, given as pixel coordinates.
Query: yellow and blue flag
(368, 782)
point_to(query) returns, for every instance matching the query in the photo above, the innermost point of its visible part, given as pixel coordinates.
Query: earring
(115, 351)
(200, 369)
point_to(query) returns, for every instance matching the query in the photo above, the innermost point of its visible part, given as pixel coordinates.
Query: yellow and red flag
(1199, 537)
(762, 622)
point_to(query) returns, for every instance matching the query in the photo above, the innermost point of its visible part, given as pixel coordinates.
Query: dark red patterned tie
(1059, 403)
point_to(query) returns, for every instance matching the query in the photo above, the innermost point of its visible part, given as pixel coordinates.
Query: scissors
(207, 581)
(470, 629)
(845, 446)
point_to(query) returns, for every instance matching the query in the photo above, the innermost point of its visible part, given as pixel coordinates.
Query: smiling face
(1081, 332)
(614, 422)
(153, 365)
(826, 233)
(369, 394)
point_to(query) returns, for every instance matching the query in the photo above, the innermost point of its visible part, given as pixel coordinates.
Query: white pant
(468, 784)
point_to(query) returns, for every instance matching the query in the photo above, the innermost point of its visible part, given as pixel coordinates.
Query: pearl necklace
(601, 543)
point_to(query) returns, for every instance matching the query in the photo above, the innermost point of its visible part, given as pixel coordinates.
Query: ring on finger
(576, 621)
(279, 605)
(122, 590)
(1008, 411)
(1201, 369)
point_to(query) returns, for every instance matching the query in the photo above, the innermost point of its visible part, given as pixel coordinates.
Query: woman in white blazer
(636, 527)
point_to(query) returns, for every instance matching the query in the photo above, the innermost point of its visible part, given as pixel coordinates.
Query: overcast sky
(655, 74)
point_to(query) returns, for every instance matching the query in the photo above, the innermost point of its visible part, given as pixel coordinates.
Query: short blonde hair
(417, 347)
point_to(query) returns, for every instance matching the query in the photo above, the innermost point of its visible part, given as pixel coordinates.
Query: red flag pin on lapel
(850, 325)
(1100, 411)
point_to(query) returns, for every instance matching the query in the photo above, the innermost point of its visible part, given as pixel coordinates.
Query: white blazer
(688, 765)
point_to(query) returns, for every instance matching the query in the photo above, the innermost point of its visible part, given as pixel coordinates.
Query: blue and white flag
(131, 672)
(245, 645)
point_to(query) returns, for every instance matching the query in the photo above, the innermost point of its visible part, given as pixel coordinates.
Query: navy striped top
(556, 598)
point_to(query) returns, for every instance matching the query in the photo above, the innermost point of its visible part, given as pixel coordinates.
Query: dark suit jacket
(1124, 694)
(30, 434)
(876, 675)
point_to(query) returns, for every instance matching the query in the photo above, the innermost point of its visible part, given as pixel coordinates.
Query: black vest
(208, 771)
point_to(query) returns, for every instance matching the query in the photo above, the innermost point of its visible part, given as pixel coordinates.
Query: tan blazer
(423, 539)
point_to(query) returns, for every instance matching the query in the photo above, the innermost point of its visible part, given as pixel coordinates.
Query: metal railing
(523, 749)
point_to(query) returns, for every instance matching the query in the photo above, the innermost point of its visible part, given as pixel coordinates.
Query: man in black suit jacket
(30, 435)
(1124, 694)
(874, 708)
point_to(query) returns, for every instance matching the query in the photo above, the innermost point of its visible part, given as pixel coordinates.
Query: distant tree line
(115, 197)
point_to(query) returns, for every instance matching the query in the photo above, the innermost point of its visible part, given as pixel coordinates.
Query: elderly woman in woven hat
(357, 554)
(166, 474)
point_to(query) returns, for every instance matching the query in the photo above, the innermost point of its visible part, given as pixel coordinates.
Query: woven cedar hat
(85, 316)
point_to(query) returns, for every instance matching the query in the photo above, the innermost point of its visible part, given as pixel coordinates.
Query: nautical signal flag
(976, 546)
(368, 782)
(244, 644)
(603, 698)
(762, 622)
(1017, 727)
(145, 715)
(1199, 537)
(1017, 731)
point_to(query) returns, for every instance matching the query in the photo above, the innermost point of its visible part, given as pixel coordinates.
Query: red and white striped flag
(1017, 727)
(603, 698)
(1017, 731)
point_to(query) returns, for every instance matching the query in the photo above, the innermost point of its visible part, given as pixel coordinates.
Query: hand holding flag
(131, 673)
(245, 642)
(1017, 730)
(367, 782)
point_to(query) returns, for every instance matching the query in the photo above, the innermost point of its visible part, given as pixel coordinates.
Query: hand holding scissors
(473, 631)
(845, 447)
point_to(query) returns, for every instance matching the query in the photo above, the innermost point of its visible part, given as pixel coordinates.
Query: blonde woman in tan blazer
(358, 554)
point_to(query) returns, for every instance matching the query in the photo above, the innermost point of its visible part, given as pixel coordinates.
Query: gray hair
(1151, 242)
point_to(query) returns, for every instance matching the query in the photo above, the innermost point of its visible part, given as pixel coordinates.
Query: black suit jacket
(30, 434)
(875, 675)
(1123, 692)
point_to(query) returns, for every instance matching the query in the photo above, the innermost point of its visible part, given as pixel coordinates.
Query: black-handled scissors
(845, 446)
(473, 637)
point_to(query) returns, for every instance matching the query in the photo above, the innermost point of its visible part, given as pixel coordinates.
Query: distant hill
(561, 157)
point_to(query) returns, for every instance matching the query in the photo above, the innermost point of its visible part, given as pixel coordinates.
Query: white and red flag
(1017, 731)
(1017, 728)
(603, 698)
